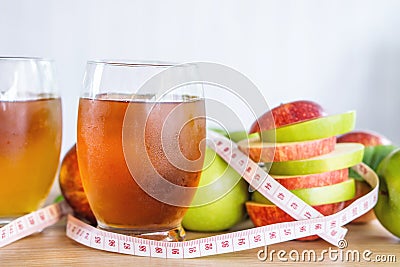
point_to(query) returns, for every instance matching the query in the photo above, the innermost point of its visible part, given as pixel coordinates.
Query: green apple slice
(312, 129)
(345, 155)
(235, 136)
(218, 130)
(238, 136)
(318, 195)
(373, 155)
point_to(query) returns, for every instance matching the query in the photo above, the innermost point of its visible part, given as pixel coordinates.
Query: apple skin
(261, 214)
(317, 128)
(367, 138)
(312, 180)
(286, 114)
(377, 147)
(71, 187)
(278, 152)
(387, 209)
(344, 156)
(224, 212)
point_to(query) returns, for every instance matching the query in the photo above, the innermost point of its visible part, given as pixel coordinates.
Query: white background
(343, 54)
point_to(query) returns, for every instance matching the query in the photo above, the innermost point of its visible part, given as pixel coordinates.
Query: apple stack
(299, 145)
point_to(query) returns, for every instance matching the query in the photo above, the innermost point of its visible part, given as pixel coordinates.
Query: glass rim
(131, 63)
(23, 58)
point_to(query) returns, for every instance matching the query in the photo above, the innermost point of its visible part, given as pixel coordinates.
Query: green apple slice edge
(313, 129)
(235, 136)
(345, 155)
(318, 195)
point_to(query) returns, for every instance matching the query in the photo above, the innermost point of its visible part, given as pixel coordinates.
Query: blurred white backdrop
(343, 54)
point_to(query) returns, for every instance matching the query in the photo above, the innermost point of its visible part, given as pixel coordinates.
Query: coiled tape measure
(309, 221)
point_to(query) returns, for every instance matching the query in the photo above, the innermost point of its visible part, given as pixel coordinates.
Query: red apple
(367, 138)
(271, 152)
(72, 188)
(286, 114)
(262, 214)
(312, 180)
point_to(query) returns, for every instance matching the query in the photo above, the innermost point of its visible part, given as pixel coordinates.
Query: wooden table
(52, 247)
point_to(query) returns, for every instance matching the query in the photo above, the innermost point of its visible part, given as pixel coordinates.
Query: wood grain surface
(52, 248)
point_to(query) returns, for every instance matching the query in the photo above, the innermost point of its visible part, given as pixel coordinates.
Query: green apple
(229, 193)
(318, 195)
(387, 209)
(219, 130)
(344, 156)
(318, 128)
(235, 136)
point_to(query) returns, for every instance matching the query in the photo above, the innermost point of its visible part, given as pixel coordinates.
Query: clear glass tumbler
(140, 148)
(30, 131)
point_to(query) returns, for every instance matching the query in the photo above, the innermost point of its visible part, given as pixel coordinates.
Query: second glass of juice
(30, 134)
(131, 142)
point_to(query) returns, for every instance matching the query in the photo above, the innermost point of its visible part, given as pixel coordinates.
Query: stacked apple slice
(298, 142)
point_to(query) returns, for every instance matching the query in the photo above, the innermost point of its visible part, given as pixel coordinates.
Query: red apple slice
(278, 152)
(312, 180)
(261, 214)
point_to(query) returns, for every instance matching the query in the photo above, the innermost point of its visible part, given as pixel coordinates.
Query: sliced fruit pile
(305, 159)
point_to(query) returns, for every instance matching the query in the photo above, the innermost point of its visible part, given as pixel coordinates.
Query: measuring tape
(309, 221)
(32, 223)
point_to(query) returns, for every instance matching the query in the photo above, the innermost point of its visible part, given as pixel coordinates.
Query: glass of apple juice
(30, 134)
(140, 145)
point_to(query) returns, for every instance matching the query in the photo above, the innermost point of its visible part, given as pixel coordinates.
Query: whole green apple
(235, 136)
(228, 206)
(387, 209)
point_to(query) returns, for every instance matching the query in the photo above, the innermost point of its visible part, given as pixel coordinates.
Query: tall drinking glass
(30, 134)
(140, 148)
